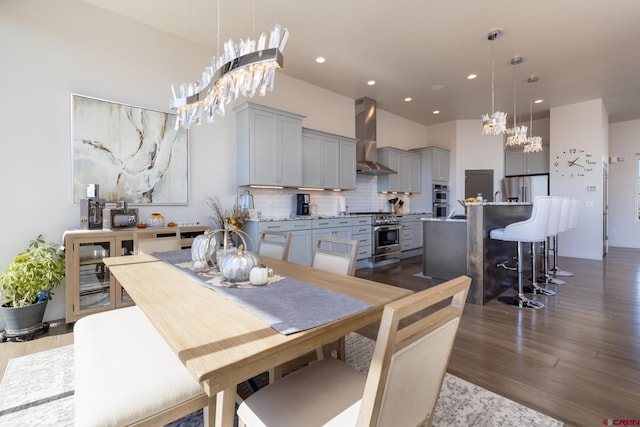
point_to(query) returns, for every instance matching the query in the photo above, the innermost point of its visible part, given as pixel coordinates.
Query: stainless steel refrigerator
(525, 188)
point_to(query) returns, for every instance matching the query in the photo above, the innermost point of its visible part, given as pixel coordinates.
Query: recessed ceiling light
(371, 82)
(320, 60)
(437, 87)
(538, 101)
(471, 76)
(408, 99)
(436, 111)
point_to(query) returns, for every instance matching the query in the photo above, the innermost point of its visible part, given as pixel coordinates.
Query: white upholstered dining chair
(126, 374)
(336, 256)
(275, 244)
(402, 387)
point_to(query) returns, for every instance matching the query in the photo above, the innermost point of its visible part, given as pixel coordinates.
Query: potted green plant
(26, 285)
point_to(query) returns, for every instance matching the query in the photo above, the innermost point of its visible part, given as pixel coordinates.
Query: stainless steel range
(385, 238)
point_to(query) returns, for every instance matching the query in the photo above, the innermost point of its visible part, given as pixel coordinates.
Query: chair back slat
(275, 244)
(336, 255)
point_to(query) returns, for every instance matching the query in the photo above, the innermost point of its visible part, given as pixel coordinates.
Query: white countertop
(444, 219)
(305, 217)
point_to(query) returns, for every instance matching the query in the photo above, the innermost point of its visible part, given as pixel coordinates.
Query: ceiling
(581, 50)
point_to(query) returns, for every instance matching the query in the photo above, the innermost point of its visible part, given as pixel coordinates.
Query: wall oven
(440, 200)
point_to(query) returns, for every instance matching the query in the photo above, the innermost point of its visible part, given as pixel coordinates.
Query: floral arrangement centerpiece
(230, 220)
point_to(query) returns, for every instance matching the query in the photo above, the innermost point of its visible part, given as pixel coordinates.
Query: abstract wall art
(134, 154)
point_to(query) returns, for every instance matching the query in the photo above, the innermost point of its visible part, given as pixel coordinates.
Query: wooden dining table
(221, 343)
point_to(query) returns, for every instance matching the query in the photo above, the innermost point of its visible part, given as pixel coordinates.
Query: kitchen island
(463, 246)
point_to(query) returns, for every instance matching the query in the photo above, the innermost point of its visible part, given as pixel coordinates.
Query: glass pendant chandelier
(517, 134)
(245, 68)
(496, 122)
(533, 143)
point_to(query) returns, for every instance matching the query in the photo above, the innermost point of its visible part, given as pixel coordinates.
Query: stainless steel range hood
(366, 149)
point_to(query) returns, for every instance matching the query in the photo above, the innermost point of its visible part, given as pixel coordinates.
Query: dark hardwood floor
(577, 360)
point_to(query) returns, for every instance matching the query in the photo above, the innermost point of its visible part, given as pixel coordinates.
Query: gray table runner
(288, 305)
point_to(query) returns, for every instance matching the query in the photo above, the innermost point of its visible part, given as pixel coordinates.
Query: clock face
(575, 163)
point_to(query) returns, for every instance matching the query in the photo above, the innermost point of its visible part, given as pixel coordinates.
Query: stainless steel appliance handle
(386, 228)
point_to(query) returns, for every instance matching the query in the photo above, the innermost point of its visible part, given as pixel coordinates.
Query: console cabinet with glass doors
(89, 286)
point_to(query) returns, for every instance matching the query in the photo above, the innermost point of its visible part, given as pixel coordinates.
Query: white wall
(582, 126)
(477, 151)
(398, 132)
(53, 49)
(624, 227)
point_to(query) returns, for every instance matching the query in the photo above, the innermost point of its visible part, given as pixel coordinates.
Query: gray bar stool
(532, 230)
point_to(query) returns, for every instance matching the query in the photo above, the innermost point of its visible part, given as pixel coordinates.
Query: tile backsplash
(282, 203)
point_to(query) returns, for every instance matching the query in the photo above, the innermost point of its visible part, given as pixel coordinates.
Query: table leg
(225, 407)
(209, 412)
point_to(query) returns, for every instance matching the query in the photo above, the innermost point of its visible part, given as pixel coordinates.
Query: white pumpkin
(203, 249)
(259, 276)
(237, 267)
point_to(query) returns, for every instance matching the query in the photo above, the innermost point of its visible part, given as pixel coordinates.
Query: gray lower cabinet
(269, 146)
(362, 233)
(301, 250)
(304, 233)
(335, 228)
(411, 235)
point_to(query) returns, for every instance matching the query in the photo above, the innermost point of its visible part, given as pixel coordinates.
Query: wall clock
(575, 163)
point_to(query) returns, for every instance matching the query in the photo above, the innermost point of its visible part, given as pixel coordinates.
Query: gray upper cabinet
(415, 176)
(435, 170)
(408, 166)
(439, 164)
(328, 161)
(517, 162)
(391, 159)
(320, 160)
(269, 146)
(347, 163)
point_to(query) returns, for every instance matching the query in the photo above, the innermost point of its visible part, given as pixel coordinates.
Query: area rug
(37, 390)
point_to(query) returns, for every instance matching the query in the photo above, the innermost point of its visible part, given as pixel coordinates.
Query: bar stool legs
(521, 300)
(534, 288)
(556, 271)
(547, 277)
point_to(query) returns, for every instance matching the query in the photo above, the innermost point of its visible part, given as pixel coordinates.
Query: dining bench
(126, 374)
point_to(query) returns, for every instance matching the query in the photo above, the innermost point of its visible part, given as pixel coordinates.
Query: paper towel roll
(342, 204)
